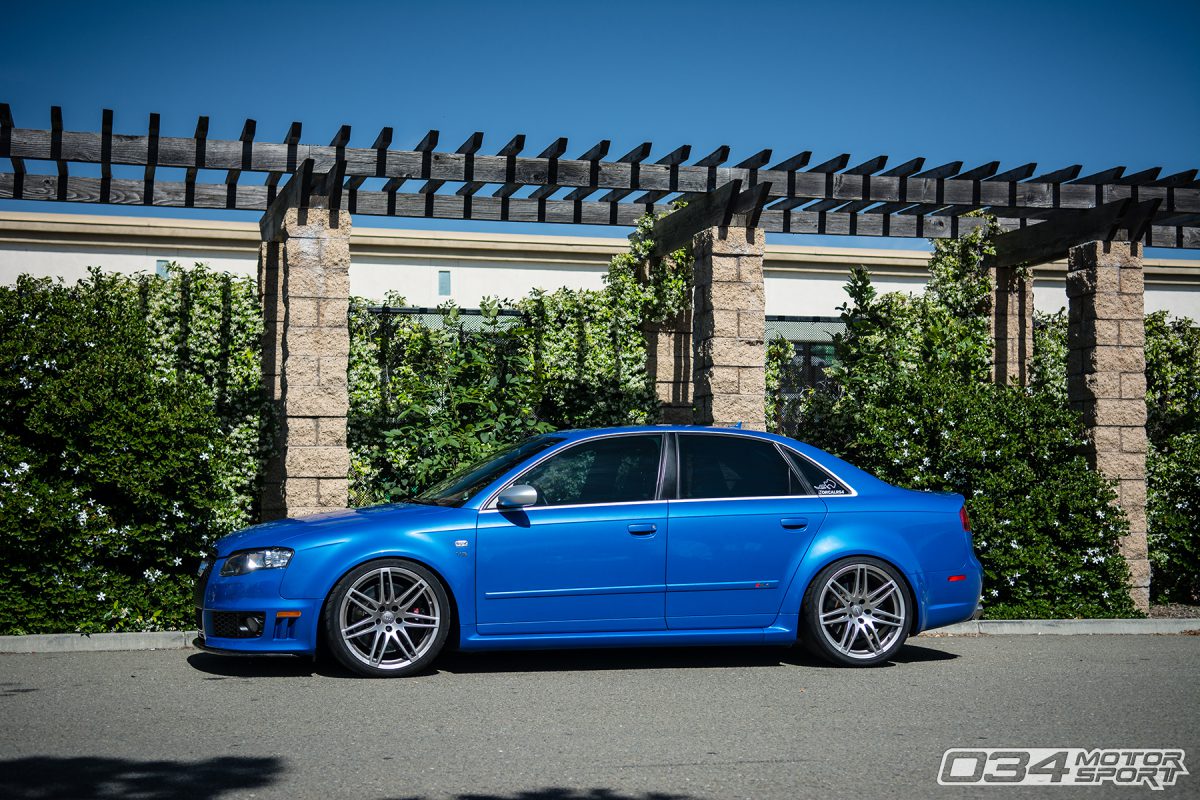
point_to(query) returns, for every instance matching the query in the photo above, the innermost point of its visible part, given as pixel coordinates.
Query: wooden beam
(1052, 239)
(552, 153)
(56, 129)
(515, 172)
(293, 195)
(254, 198)
(1060, 175)
(633, 158)
(793, 163)
(712, 209)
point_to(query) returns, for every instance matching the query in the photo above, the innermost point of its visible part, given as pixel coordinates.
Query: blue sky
(1097, 83)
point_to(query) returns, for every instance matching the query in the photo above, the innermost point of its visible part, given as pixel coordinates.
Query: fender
(443, 543)
(896, 539)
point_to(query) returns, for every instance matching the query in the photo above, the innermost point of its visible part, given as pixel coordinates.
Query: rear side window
(822, 482)
(621, 469)
(733, 466)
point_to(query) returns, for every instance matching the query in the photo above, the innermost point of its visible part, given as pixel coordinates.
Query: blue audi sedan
(666, 535)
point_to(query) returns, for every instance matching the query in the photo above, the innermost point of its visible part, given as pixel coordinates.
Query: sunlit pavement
(695, 723)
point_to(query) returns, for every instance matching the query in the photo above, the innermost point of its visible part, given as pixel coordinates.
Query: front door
(590, 555)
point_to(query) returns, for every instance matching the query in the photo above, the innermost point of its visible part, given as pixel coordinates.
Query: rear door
(742, 520)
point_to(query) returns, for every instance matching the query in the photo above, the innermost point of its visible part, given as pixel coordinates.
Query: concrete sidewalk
(178, 640)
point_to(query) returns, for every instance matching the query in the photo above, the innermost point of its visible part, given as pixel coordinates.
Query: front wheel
(387, 619)
(856, 612)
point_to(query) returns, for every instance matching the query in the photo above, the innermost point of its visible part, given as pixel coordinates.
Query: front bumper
(288, 626)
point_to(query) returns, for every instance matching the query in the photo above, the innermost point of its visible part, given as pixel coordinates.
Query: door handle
(642, 528)
(794, 523)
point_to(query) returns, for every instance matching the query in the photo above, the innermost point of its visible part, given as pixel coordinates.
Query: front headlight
(253, 560)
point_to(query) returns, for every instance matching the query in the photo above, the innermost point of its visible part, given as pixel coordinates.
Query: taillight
(966, 520)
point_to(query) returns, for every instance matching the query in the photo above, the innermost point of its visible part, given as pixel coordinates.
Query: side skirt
(773, 635)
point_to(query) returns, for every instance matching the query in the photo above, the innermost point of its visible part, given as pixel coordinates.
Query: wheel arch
(452, 639)
(818, 558)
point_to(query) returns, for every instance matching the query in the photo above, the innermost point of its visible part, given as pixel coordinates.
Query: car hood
(332, 526)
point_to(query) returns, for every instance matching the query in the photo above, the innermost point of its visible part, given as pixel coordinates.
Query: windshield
(469, 481)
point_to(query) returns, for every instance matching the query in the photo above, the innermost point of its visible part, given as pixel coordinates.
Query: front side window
(733, 466)
(620, 469)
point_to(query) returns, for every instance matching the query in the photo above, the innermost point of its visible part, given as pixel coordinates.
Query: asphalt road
(611, 725)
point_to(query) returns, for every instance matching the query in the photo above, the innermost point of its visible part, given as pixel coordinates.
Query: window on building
(160, 267)
(807, 367)
(443, 283)
(733, 466)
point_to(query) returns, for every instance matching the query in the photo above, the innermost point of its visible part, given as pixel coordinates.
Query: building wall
(800, 280)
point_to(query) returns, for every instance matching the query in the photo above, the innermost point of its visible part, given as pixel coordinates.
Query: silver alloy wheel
(862, 611)
(389, 618)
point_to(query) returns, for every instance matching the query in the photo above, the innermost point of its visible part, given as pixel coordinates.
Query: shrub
(110, 464)
(909, 401)
(1173, 463)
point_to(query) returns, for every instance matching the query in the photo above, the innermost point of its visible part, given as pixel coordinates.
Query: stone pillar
(1011, 323)
(728, 317)
(669, 365)
(304, 282)
(1106, 381)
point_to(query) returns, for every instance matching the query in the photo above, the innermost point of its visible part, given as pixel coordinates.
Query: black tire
(857, 612)
(391, 639)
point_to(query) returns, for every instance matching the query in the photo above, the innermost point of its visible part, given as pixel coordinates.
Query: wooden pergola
(790, 195)
(708, 365)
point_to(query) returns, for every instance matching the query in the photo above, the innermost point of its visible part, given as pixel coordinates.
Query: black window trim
(850, 490)
(786, 461)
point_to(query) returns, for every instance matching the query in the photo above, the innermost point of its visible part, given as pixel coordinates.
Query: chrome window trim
(578, 505)
(489, 504)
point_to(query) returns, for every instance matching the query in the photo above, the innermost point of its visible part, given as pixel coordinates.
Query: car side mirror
(518, 495)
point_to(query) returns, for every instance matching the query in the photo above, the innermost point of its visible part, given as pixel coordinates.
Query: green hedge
(134, 426)
(116, 468)
(1173, 429)
(910, 401)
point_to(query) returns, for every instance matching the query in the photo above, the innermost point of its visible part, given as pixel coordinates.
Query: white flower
(1077, 577)
(995, 592)
(101, 596)
(1013, 544)
(177, 561)
(1104, 595)
(22, 467)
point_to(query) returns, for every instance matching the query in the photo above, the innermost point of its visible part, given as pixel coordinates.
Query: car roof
(587, 433)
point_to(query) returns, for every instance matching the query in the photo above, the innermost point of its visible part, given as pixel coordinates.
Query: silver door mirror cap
(518, 495)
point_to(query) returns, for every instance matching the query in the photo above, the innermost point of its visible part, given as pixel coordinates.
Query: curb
(96, 642)
(182, 640)
(1066, 627)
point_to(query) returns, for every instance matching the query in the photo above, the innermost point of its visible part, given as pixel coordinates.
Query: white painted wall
(801, 281)
(417, 279)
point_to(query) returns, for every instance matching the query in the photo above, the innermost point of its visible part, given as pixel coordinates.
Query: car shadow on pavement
(40, 777)
(557, 793)
(460, 663)
(659, 658)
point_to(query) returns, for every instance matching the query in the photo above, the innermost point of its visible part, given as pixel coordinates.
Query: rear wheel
(856, 612)
(387, 619)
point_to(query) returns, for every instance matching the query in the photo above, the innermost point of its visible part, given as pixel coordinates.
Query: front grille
(237, 624)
